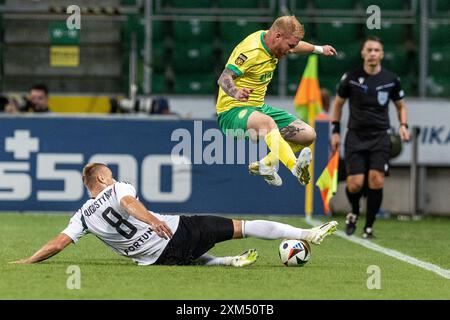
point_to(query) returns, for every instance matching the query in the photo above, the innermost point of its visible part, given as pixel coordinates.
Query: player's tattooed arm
(226, 82)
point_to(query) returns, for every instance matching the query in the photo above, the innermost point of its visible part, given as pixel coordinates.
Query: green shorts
(234, 121)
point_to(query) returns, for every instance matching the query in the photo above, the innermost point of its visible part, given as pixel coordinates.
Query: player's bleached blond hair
(90, 173)
(289, 25)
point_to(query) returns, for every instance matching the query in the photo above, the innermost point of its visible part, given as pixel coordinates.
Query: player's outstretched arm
(304, 47)
(226, 82)
(51, 248)
(136, 209)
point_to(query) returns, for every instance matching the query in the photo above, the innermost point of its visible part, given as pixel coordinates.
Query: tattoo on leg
(291, 130)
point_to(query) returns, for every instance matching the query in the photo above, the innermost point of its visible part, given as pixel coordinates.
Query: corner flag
(328, 180)
(308, 100)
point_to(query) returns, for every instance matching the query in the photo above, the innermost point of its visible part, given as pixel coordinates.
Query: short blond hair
(289, 25)
(90, 173)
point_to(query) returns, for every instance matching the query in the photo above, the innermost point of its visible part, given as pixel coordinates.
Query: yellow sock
(295, 147)
(270, 160)
(280, 150)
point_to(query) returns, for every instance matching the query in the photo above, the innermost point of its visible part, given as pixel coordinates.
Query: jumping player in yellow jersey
(240, 104)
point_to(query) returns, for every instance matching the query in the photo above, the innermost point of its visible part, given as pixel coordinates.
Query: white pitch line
(389, 252)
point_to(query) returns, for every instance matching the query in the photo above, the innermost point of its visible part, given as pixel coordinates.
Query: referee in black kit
(367, 144)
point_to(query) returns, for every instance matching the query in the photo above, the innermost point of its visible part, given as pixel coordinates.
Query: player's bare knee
(310, 136)
(237, 226)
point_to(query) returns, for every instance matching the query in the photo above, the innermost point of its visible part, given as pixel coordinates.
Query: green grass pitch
(337, 269)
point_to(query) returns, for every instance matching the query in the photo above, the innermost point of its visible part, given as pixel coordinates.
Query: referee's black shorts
(367, 150)
(195, 236)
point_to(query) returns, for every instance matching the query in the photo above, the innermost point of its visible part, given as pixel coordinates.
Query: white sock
(209, 260)
(270, 230)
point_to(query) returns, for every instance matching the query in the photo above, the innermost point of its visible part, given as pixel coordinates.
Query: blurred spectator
(326, 99)
(161, 106)
(8, 105)
(37, 99)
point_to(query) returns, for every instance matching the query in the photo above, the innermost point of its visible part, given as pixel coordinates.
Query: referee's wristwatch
(405, 125)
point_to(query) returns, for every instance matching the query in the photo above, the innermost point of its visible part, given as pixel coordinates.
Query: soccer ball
(294, 253)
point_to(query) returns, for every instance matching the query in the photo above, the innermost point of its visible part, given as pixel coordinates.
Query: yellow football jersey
(252, 62)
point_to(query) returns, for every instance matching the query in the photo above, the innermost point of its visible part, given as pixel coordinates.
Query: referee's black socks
(353, 198)
(374, 198)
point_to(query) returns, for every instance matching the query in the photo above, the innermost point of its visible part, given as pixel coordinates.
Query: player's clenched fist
(243, 94)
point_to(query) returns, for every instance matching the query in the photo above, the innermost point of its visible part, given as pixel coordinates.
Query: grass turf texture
(337, 269)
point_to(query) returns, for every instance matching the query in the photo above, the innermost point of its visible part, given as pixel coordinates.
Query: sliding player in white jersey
(120, 220)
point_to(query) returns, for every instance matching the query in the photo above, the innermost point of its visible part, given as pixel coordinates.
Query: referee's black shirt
(369, 97)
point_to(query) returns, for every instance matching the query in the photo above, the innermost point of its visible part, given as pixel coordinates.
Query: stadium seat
(239, 3)
(190, 3)
(442, 6)
(337, 32)
(348, 58)
(330, 82)
(158, 32)
(158, 56)
(193, 57)
(436, 33)
(335, 4)
(195, 84)
(273, 85)
(386, 4)
(292, 83)
(438, 86)
(236, 31)
(389, 33)
(439, 60)
(409, 85)
(396, 59)
(193, 30)
(159, 83)
(296, 64)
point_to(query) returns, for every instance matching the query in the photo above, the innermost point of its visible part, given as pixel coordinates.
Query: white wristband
(318, 49)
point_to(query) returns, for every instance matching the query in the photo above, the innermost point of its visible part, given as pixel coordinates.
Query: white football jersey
(128, 236)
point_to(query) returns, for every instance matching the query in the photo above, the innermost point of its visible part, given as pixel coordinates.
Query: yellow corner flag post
(328, 181)
(308, 104)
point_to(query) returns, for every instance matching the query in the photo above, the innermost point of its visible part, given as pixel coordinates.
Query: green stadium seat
(195, 84)
(193, 30)
(159, 83)
(337, 32)
(193, 57)
(226, 49)
(396, 60)
(330, 82)
(292, 84)
(158, 56)
(410, 85)
(158, 32)
(301, 4)
(296, 64)
(389, 33)
(236, 31)
(439, 60)
(438, 34)
(386, 4)
(442, 6)
(335, 4)
(272, 89)
(189, 3)
(438, 86)
(348, 58)
(239, 3)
